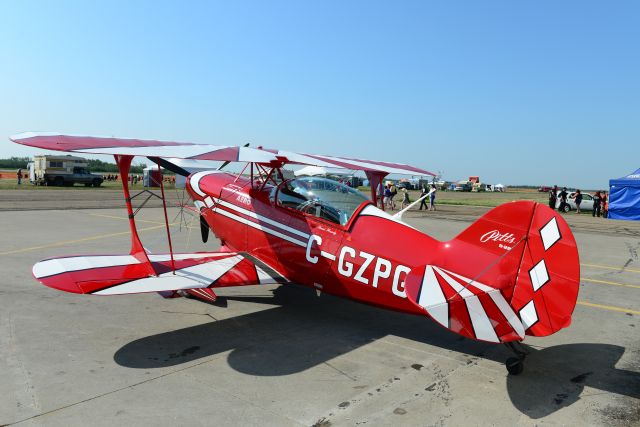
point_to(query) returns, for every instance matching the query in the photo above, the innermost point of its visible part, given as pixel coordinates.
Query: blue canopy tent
(624, 197)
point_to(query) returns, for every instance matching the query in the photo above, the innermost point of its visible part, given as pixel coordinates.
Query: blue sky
(540, 92)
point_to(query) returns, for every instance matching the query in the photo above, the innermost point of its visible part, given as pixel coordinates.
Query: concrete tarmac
(269, 355)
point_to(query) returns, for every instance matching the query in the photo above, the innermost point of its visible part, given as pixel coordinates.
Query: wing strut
(375, 179)
(137, 250)
(166, 219)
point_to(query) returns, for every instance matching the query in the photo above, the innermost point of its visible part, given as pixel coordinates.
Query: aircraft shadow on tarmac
(303, 331)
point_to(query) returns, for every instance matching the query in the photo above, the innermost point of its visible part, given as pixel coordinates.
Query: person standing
(394, 191)
(19, 174)
(423, 193)
(596, 204)
(432, 198)
(387, 195)
(405, 198)
(553, 197)
(605, 204)
(578, 199)
(563, 199)
(380, 193)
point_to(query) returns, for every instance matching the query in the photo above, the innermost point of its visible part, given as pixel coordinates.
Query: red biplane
(514, 272)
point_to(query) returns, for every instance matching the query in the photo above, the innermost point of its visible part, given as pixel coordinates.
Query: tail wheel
(515, 365)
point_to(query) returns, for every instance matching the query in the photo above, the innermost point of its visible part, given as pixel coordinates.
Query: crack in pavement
(340, 371)
(131, 386)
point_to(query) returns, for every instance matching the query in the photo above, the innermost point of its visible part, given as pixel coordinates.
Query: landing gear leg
(515, 365)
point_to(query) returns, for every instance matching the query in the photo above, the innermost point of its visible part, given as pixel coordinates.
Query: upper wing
(185, 150)
(139, 147)
(353, 164)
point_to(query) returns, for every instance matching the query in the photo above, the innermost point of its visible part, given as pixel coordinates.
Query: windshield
(321, 197)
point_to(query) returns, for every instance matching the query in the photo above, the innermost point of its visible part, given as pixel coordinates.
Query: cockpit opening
(320, 197)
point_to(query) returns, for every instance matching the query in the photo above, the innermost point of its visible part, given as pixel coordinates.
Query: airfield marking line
(608, 307)
(84, 239)
(606, 282)
(124, 218)
(143, 220)
(609, 267)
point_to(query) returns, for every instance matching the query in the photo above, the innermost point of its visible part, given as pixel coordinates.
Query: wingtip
(26, 135)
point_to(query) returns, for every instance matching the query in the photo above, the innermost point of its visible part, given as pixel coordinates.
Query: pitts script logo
(496, 236)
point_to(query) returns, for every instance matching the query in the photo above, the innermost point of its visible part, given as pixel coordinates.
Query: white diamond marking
(528, 315)
(550, 234)
(539, 275)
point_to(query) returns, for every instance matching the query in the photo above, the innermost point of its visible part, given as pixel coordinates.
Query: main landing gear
(515, 365)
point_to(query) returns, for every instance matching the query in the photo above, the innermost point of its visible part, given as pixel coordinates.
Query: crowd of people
(135, 178)
(388, 192)
(600, 201)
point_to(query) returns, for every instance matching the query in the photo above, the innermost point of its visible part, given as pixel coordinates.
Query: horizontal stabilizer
(468, 307)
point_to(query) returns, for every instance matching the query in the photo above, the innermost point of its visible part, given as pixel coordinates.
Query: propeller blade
(204, 229)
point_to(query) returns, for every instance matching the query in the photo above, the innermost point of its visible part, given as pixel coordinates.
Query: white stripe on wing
(51, 267)
(197, 276)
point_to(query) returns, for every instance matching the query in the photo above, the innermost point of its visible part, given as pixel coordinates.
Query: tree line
(94, 165)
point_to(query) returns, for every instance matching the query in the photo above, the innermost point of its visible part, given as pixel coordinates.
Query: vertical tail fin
(546, 289)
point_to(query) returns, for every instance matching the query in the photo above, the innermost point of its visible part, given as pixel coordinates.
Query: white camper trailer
(61, 170)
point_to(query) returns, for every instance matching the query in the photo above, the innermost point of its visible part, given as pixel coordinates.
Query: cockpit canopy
(320, 197)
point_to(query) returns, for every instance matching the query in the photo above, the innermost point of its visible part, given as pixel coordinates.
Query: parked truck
(62, 171)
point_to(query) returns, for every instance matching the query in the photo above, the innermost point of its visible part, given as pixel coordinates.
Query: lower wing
(125, 274)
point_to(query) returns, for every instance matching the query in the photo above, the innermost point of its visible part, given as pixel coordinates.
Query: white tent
(321, 171)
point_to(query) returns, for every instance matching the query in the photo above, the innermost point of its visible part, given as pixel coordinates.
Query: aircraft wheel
(515, 366)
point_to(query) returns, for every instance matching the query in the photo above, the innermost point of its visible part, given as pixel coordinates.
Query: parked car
(405, 184)
(544, 188)
(462, 186)
(586, 205)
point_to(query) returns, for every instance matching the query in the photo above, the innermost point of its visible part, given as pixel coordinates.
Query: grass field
(443, 197)
(487, 199)
(12, 184)
(484, 199)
